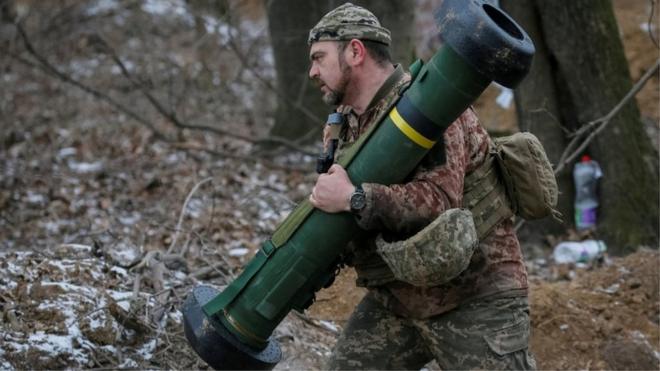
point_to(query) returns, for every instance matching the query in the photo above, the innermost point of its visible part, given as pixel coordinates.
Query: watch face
(358, 201)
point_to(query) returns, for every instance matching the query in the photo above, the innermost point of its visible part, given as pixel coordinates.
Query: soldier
(478, 317)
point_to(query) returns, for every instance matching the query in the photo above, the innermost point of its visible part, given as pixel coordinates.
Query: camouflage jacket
(400, 210)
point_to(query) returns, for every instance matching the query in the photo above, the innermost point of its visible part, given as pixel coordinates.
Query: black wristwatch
(358, 199)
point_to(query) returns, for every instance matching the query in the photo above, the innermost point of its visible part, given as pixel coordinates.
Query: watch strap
(358, 199)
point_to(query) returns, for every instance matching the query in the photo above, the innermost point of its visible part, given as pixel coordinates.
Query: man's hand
(332, 191)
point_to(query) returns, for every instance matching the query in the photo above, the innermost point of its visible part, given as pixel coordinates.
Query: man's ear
(355, 52)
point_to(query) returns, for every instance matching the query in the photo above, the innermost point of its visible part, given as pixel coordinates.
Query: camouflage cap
(348, 22)
(436, 254)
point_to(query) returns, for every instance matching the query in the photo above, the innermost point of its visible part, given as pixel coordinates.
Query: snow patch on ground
(62, 314)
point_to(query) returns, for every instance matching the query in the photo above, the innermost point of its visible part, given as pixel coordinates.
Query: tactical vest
(484, 194)
(516, 178)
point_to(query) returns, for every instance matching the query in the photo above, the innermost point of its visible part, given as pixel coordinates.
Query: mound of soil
(591, 317)
(604, 318)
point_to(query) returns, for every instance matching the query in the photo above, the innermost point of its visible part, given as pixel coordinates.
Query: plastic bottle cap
(586, 158)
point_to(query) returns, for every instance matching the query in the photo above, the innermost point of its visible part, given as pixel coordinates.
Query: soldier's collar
(387, 86)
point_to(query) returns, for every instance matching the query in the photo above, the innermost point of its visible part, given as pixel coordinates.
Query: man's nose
(313, 72)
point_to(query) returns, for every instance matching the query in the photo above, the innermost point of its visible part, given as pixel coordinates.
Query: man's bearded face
(334, 96)
(330, 71)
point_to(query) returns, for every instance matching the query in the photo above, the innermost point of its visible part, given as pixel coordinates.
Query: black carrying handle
(327, 158)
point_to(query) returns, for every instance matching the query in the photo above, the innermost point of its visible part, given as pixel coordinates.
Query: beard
(335, 96)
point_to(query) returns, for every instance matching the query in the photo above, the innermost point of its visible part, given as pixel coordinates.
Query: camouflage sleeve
(407, 208)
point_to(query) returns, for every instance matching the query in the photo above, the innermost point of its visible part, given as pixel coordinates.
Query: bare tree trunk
(538, 111)
(585, 55)
(289, 24)
(397, 16)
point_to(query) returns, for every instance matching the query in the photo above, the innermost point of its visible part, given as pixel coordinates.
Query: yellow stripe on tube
(409, 131)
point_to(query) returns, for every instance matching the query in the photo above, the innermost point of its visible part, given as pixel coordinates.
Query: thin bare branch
(172, 117)
(555, 120)
(281, 95)
(182, 213)
(600, 124)
(314, 323)
(49, 68)
(650, 25)
(208, 272)
(261, 160)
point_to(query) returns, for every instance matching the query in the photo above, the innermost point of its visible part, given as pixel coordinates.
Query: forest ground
(105, 230)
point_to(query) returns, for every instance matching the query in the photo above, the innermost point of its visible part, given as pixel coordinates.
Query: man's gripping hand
(332, 191)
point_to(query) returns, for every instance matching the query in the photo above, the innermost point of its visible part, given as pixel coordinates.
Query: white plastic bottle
(585, 175)
(578, 252)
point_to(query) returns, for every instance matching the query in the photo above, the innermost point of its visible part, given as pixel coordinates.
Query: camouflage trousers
(488, 334)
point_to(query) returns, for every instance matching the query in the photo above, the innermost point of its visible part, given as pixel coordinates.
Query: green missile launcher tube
(232, 329)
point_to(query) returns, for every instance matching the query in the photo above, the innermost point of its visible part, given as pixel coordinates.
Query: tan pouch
(528, 176)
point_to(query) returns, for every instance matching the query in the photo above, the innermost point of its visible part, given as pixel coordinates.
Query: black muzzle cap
(487, 38)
